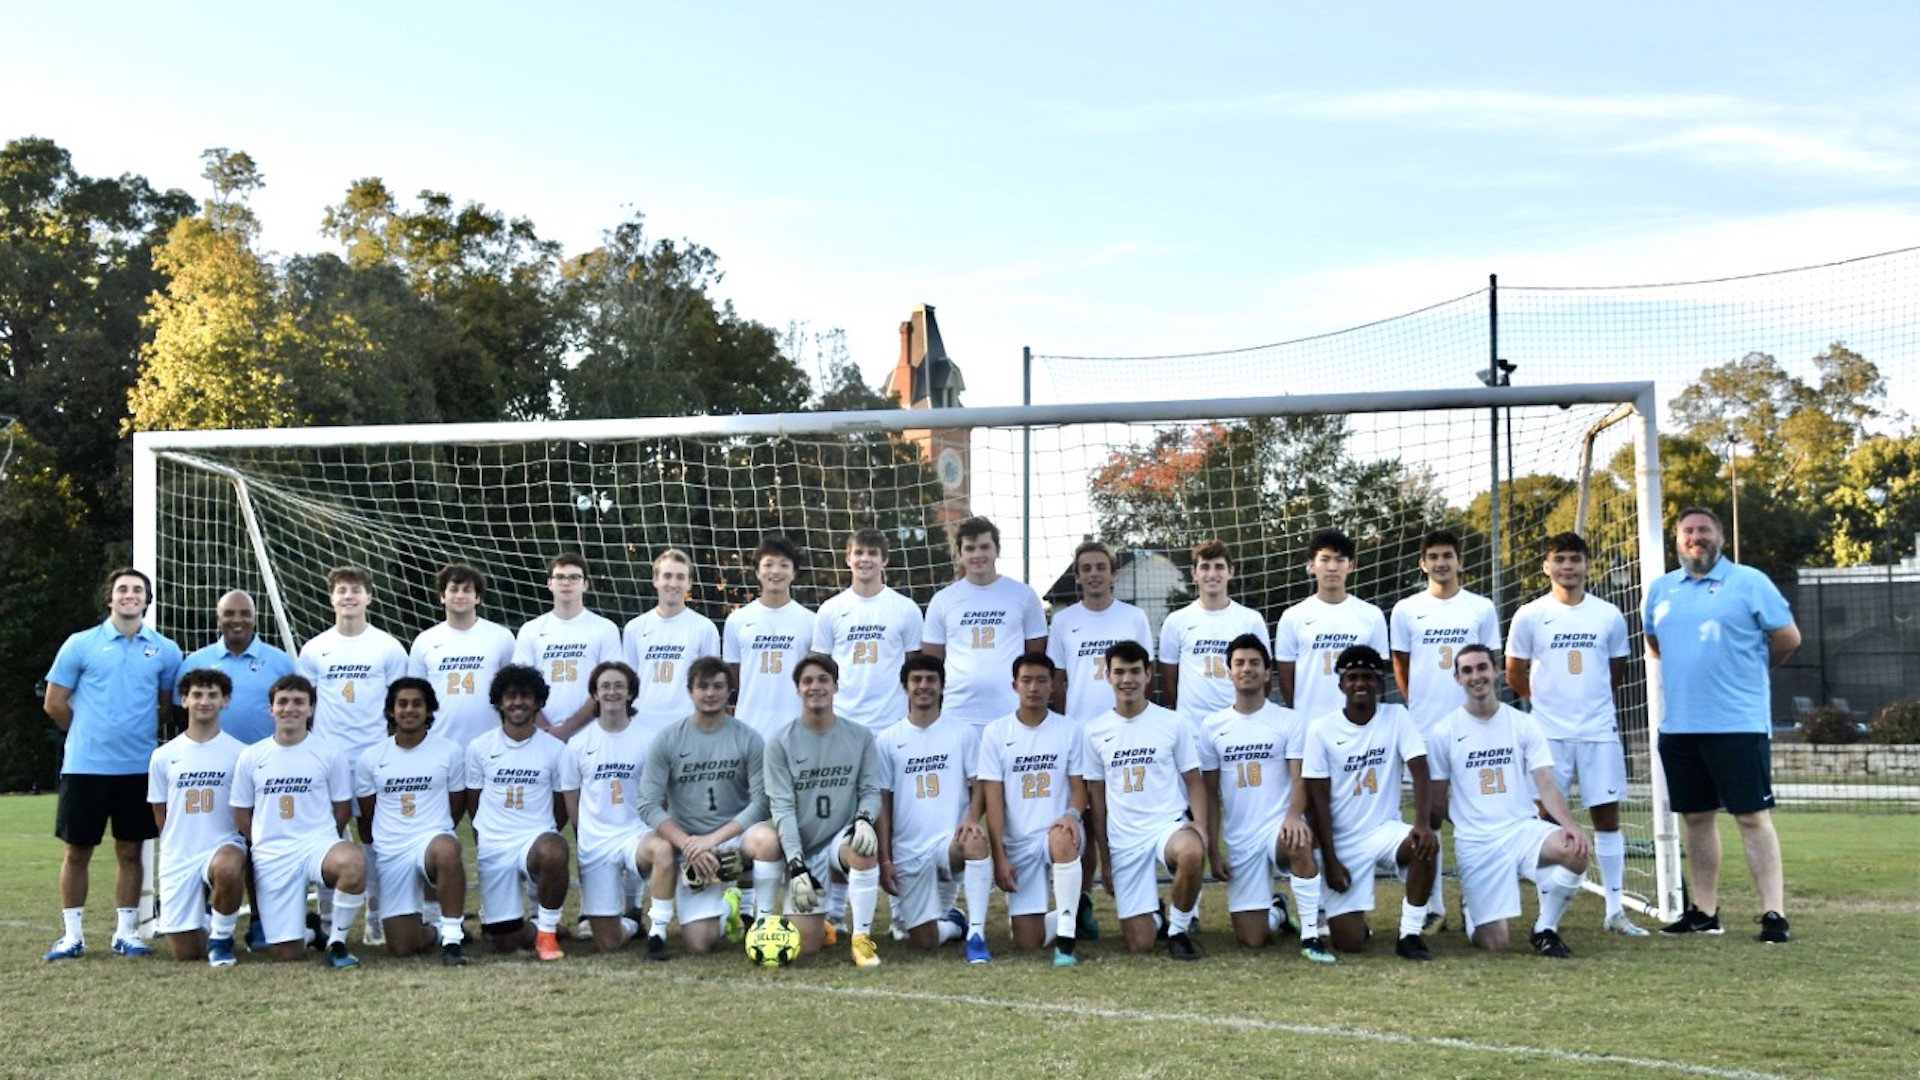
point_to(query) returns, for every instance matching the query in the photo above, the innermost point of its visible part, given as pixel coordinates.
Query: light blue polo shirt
(253, 670)
(116, 682)
(1713, 647)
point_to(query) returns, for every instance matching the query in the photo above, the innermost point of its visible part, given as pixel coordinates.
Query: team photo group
(769, 780)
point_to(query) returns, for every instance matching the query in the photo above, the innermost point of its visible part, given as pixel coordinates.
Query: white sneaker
(374, 935)
(1618, 923)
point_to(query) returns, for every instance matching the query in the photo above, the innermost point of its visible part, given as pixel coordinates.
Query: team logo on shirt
(1500, 755)
(398, 785)
(614, 770)
(150, 651)
(1366, 759)
(288, 785)
(875, 632)
(347, 671)
(663, 652)
(770, 642)
(824, 776)
(1036, 763)
(202, 778)
(1336, 642)
(1447, 635)
(984, 618)
(1574, 641)
(928, 763)
(1249, 752)
(694, 772)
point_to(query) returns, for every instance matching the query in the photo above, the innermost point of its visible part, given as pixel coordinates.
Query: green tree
(1865, 532)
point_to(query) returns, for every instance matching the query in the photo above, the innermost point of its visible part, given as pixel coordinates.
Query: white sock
(1610, 848)
(346, 907)
(863, 894)
(323, 900)
(1306, 904)
(1437, 903)
(430, 912)
(1558, 886)
(452, 932)
(1179, 921)
(837, 893)
(630, 929)
(546, 919)
(71, 918)
(1273, 919)
(1412, 918)
(768, 876)
(979, 886)
(949, 893)
(659, 917)
(126, 922)
(223, 925)
(747, 893)
(373, 896)
(1066, 897)
(948, 931)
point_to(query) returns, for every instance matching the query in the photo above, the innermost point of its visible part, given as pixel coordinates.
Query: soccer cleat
(1618, 923)
(736, 930)
(546, 946)
(1315, 949)
(220, 952)
(656, 948)
(1413, 947)
(66, 949)
(1063, 953)
(1160, 922)
(316, 931)
(339, 958)
(865, 953)
(1694, 921)
(832, 933)
(1548, 944)
(1181, 947)
(131, 946)
(256, 936)
(955, 918)
(374, 934)
(584, 931)
(1086, 927)
(452, 955)
(977, 951)
(1435, 922)
(1287, 929)
(1773, 928)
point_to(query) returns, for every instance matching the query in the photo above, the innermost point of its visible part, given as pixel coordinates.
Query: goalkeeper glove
(801, 888)
(865, 841)
(727, 868)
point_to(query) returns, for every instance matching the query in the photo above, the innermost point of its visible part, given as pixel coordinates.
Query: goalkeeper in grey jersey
(823, 792)
(701, 790)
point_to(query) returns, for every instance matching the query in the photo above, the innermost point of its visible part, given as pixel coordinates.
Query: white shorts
(504, 879)
(280, 886)
(1364, 856)
(605, 873)
(402, 876)
(1600, 766)
(1032, 859)
(1490, 870)
(1136, 874)
(823, 862)
(920, 875)
(1252, 886)
(184, 888)
(691, 905)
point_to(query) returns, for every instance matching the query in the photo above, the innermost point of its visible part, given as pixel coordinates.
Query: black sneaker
(1773, 928)
(1412, 947)
(1548, 944)
(656, 948)
(452, 955)
(1181, 947)
(1086, 926)
(1695, 921)
(316, 932)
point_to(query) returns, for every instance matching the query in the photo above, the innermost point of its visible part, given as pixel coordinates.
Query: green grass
(1839, 1001)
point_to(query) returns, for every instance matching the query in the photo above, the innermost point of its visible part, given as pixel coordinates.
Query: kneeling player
(203, 858)
(1489, 747)
(609, 755)
(412, 789)
(291, 796)
(1036, 801)
(517, 777)
(1352, 774)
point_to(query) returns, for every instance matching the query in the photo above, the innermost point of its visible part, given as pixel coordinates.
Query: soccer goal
(270, 511)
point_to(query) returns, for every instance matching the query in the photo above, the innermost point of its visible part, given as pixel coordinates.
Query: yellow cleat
(864, 953)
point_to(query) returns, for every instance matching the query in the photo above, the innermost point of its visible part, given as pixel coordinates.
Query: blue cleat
(256, 936)
(66, 949)
(339, 958)
(1064, 957)
(131, 946)
(1086, 927)
(977, 952)
(220, 952)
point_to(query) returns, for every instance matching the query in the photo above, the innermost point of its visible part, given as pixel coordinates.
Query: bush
(1897, 723)
(1827, 724)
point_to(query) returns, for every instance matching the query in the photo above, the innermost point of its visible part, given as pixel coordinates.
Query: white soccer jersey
(460, 664)
(1196, 640)
(927, 770)
(412, 789)
(767, 642)
(609, 764)
(291, 791)
(869, 637)
(659, 650)
(1489, 766)
(350, 676)
(1035, 766)
(1362, 763)
(1142, 762)
(1432, 631)
(1078, 641)
(1250, 751)
(565, 652)
(195, 781)
(985, 629)
(517, 782)
(1569, 653)
(1311, 634)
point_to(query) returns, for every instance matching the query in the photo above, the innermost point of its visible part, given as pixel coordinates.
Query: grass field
(1842, 1000)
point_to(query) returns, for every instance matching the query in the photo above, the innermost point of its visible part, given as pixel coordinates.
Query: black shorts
(1707, 772)
(89, 800)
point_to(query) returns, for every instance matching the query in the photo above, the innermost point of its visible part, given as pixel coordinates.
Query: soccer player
(868, 629)
(1567, 651)
(608, 756)
(661, 643)
(1036, 803)
(823, 794)
(412, 790)
(1427, 630)
(111, 690)
(203, 858)
(1352, 767)
(1481, 750)
(1312, 633)
(565, 645)
(703, 788)
(1715, 742)
(517, 780)
(249, 662)
(292, 795)
(930, 816)
(1250, 755)
(763, 640)
(1193, 641)
(459, 656)
(1078, 638)
(979, 625)
(1142, 769)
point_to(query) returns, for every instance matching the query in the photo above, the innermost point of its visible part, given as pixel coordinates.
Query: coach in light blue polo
(253, 665)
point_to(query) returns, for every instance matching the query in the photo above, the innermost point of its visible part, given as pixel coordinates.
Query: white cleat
(1618, 923)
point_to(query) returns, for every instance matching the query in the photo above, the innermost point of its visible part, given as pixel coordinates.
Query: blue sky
(1081, 178)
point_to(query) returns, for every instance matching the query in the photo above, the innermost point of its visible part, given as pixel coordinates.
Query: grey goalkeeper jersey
(816, 783)
(704, 779)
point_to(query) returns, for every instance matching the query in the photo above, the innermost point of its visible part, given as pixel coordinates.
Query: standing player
(1142, 769)
(1487, 746)
(1312, 633)
(250, 663)
(1567, 651)
(292, 795)
(1193, 641)
(412, 790)
(517, 780)
(203, 858)
(565, 645)
(979, 625)
(111, 691)
(1352, 767)
(459, 656)
(764, 639)
(660, 644)
(608, 756)
(868, 630)
(1036, 802)
(1078, 639)
(930, 816)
